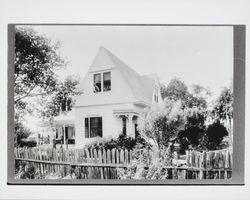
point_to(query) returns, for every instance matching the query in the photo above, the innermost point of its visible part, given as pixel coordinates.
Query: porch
(65, 129)
(128, 122)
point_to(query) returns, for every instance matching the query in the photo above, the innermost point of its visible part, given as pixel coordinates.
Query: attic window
(97, 83)
(106, 81)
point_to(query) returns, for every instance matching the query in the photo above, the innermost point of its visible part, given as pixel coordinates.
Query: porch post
(130, 126)
(64, 134)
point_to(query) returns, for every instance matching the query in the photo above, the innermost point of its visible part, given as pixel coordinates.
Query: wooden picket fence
(210, 164)
(103, 164)
(87, 163)
(219, 159)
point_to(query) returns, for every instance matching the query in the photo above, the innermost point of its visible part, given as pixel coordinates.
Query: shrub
(194, 129)
(27, 143)
(145, 166)
(122, 141)
(161, 123)
(26, 171)
(215, 134)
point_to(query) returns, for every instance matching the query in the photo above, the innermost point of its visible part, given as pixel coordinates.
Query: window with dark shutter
(86, 127)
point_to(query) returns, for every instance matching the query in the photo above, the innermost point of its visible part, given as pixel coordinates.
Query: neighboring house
(114, 95)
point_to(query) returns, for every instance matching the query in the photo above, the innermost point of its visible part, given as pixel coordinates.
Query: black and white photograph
(124, 99)
(123, 102)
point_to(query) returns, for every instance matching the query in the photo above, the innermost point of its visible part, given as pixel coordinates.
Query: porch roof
(125, 112)
(65, 118)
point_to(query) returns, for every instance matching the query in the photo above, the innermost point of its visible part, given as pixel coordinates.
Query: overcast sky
(195, 54)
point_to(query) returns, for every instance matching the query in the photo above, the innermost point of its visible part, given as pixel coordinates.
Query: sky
(196, 54)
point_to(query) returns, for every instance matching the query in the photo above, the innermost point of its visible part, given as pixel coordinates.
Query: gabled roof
(142, 87)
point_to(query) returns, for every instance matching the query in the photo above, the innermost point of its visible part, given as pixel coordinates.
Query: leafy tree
(21, 132)
(223, 108)
(194, 128)
(177, 90)
(36, 60)
(200, 91)
(161, 123)
(215, 134)
(62, 99)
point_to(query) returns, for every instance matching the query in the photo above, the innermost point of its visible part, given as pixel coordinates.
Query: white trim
(101, 71)
(130, 102)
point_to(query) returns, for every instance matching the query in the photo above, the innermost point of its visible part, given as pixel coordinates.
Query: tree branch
(26, 95)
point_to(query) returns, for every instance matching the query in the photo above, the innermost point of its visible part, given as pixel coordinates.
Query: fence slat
(108, 156)
(87, 155)
(113, 155)
(117, 156)
(126, 156)
(95, 156)
(104, 156)
(122, 156)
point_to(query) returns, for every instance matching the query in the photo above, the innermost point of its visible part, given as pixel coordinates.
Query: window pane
(106, 81)
(97, 83)
(86, 127)
(95, 127)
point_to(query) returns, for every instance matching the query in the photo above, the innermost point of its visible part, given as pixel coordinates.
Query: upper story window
(102, 82)
(106, 81)
(97, 83)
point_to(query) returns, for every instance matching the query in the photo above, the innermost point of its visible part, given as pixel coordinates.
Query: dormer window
(102, 82)
(97, 83)
(106, 81)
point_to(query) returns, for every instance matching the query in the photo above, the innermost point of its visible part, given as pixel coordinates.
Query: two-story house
(114, 95)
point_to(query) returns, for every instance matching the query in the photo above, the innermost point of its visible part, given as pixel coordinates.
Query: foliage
(143, 166)
(177, 90)
(122, 141)
(215, 134)
(161, 123)
(62, 99)
(25, 171)
(36, 59)
(21, 132)
(200, 91)
(194, 128)
(226, 143)
(27, 143)
(224, 105)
